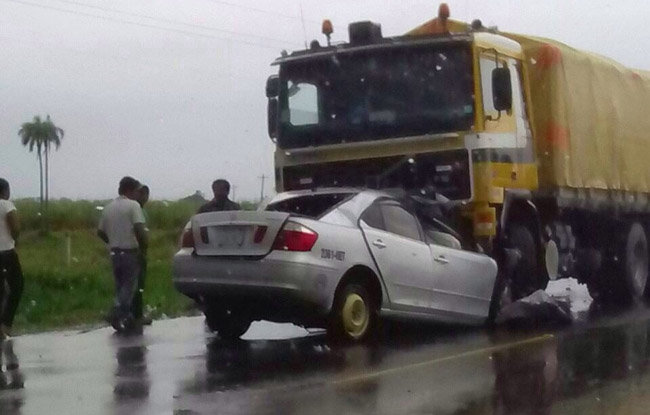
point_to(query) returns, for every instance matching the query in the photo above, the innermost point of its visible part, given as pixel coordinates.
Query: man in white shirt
(122, 227)
(10, 271)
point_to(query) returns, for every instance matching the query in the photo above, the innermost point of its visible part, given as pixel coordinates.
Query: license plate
(230, 236)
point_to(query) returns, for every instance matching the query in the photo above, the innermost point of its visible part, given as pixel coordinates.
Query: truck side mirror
(273, 86)
(272, 115)
(501, 89)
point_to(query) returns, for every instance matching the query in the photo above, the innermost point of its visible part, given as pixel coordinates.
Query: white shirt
(117, 222)
(7, 243)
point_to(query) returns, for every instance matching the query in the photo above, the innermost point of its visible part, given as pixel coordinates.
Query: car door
(463, 282)
(395, 240)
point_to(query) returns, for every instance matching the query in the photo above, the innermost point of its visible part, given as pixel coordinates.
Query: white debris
(569, 290)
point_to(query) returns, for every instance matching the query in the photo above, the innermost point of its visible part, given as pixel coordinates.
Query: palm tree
(40, 135)
(54, 136)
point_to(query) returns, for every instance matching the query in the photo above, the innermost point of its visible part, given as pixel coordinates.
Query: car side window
(400, 222)
(373, 218)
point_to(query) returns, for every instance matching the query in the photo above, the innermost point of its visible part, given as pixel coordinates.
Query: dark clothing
(126, 270)
(218, 206)
(12, 275)
(138, 301)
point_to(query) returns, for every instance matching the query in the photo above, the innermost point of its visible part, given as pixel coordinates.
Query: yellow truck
(535, 147)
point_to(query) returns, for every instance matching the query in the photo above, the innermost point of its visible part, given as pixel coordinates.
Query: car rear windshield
(311, 206)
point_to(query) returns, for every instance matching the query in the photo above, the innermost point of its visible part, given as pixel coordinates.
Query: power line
(256, 9)
(145, 25)
(171, 21)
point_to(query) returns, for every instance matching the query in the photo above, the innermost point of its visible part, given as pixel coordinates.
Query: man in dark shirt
(221, 190)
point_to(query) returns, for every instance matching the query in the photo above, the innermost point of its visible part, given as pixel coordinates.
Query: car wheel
(228, 324)
(354, 314)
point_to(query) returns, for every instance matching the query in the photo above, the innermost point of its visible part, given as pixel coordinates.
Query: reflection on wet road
(599, 365)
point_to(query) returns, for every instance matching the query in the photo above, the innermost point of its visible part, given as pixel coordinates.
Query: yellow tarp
(591, 118)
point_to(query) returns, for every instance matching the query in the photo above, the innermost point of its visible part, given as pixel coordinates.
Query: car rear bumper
(266, 287)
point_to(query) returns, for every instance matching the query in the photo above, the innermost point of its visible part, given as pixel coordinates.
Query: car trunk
(236, 233)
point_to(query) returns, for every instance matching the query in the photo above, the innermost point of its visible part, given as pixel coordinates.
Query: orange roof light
(443, 11)
(328, 29)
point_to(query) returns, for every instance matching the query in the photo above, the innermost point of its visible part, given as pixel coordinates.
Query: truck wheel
(354, 315)
(229, 325)
(625, 274)
(633, 263)
(501, 296)
(526, 277)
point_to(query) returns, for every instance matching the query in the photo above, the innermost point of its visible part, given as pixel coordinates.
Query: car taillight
(187, 239)
(295, 237)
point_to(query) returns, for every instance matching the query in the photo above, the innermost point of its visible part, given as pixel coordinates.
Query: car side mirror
(273, 86)
(272, 115)
(501, 89)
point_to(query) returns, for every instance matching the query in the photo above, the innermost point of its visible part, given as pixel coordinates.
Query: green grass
(58, 295)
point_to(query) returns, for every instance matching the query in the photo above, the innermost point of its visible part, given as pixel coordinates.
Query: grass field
(61, 294)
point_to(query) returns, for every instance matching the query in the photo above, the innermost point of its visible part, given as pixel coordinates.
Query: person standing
(122, 227)
(138, 303)
(221, 190)
(11, 273)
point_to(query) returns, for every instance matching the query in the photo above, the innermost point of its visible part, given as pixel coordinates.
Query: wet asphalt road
(599, 365)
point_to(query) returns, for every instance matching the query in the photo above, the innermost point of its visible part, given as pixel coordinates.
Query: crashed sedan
(334, 258)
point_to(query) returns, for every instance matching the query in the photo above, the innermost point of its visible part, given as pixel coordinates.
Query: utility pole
(263, 178)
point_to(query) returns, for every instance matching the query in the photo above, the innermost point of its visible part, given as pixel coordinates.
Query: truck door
(523, 132)
(404, 260)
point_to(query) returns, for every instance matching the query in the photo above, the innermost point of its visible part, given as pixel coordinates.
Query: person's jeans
(138, 301)
(126, 269)
(10, 274)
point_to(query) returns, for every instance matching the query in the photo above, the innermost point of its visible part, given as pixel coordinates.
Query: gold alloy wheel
(355, 315)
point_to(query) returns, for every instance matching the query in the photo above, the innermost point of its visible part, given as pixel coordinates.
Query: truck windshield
(382, 93)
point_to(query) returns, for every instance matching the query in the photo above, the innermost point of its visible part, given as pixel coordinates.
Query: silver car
(334, 258)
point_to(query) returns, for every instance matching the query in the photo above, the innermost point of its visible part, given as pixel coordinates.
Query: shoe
(5, 331)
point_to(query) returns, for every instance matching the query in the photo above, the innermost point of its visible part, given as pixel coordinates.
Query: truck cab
(436, 114)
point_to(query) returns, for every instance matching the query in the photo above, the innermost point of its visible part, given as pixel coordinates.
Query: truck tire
(636, 261)
(527, 276)
(229, 325)
(624, 275)
(633, 263)
(353, 318)
(501, 296)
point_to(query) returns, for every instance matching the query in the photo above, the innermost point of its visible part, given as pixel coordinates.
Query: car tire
(228, 324)
(353, 318)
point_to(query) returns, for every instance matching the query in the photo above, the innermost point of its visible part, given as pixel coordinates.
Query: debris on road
(538, 309)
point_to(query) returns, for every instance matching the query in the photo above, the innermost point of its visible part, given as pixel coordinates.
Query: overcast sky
(172, 92)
